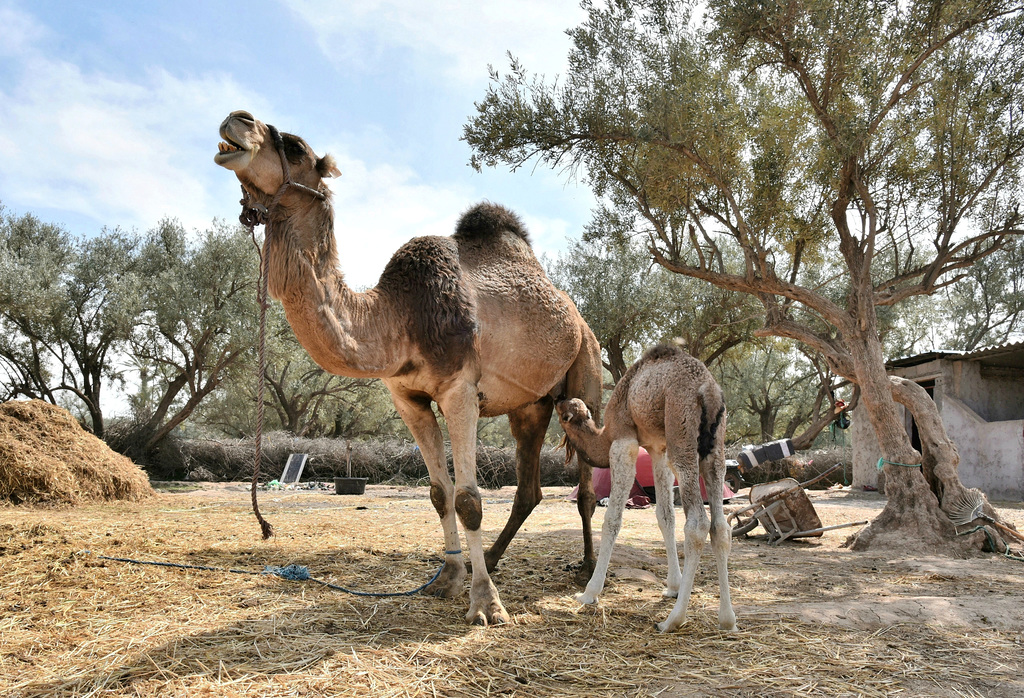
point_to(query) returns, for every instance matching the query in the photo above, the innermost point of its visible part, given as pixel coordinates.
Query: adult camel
(469, 322)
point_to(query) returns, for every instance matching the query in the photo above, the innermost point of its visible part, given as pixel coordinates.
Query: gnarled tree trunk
(921, 488)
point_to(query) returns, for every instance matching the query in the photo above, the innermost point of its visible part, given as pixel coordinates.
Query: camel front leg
(419, 417)
(586, 503)
(461, 409)
(664, 476)
(695, 534)
(623, 465)
(528, 425)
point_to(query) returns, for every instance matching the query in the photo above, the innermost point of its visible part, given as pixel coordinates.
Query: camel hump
(665, 350)
(487, 220)
(425, 277)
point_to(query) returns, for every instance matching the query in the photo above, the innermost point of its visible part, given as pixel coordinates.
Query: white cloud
(467, 35)
(379, 208)
(127, 151)
(120, 152)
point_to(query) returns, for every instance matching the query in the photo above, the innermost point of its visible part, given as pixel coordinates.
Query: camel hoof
(449, 584)
(667, 593)
(667, 627)
(485, 606)
(494, 615)
(728, 626)
(586, 599)
(584, 573)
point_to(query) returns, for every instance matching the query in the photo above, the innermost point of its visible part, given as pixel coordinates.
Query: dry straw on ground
(47, 458)
(73, 624)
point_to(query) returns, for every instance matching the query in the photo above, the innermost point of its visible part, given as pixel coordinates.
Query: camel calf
(669, 403)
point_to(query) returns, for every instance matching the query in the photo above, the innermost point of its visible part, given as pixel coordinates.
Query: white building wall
(991, 453)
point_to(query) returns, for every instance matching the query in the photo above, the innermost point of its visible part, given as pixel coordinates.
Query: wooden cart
(784, 510)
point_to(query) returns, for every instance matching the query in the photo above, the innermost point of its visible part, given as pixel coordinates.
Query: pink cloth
(644, 479)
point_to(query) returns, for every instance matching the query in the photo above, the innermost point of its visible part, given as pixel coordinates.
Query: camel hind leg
(695, 533)
(665, 511)
(713, 469)
(623, 465)
(528, 425)
(681, 430)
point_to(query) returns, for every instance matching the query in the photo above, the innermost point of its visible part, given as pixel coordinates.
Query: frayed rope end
(297, 573)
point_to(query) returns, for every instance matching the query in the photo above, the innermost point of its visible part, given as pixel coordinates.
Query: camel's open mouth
(228, 150)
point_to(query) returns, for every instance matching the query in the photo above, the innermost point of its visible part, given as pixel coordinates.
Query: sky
(109, 112)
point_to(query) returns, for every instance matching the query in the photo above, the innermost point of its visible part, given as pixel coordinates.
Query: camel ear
(327, 167)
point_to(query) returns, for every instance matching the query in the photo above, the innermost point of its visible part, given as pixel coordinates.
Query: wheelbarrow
(784, 510)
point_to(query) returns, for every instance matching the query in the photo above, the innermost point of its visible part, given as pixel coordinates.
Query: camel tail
(712, 413)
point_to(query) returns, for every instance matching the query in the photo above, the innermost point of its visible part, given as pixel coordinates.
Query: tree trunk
(767, 417)
(616, 359)
(913, 516)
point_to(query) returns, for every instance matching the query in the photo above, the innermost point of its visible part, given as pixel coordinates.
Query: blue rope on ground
(294, 573)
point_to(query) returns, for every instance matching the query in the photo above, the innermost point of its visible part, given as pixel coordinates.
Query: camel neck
(593, 447)
(343, 330)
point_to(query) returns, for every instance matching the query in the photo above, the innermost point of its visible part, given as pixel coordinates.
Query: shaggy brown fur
(669, 403)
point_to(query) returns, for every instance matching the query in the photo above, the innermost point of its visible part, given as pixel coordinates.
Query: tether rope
(293, 573)
(992, 542)
(882, 461)
(254, 214)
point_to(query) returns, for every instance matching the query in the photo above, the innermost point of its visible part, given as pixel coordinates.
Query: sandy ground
(815, 618)
(828, 583)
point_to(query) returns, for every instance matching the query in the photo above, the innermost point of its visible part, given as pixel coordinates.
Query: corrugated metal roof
(1010, 355)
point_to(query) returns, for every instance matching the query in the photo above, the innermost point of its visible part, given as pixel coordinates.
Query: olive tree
(198, 324)
(67, 306)
(858, 154)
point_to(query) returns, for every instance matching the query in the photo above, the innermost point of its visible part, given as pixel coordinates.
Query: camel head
(582, 434)
(573, 414)
(249, 151)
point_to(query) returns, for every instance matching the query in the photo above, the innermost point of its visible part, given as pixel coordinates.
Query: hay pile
(46, 457)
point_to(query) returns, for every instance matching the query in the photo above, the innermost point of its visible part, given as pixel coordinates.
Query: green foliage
(197, 323)
(988, 302)
(67, 305)
(855, 155)
(618, 294)
(631, 303)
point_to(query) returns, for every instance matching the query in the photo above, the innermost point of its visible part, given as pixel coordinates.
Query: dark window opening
(915, 437)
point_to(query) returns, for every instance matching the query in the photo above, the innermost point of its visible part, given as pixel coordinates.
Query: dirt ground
(815, 619)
